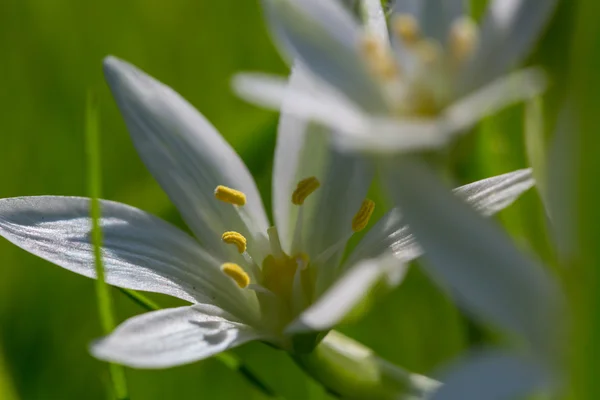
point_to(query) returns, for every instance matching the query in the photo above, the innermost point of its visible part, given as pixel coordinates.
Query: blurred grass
(51, 55)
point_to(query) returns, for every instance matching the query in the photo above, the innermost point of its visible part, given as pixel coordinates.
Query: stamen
(380, 59)
(236, 273)
(236, 239)
(229, 195)
(464, 37)
(362, 217)
(304, 189)
(407, 28)
(429, 51)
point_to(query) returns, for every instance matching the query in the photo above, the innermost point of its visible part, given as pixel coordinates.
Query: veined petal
(170, 337)
(139, 251)
(345, 294)
(487, 196)
(302, 151)
(509, 30)
(492, 375)
(186, 155)
(326, 38)
(486, 272)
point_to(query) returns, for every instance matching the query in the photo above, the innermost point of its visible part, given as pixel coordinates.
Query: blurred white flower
(246, 280)
(414, 87)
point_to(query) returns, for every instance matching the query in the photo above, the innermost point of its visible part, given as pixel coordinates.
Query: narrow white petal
(492, 375)
(172, 337)
(374, 19)
(509, 30)
(303, 150)
(491, 98)
(140, 251)
(186, 155)
(327, 39)
(344, 295)
(487, 196)
(318, 104)
(486, 272)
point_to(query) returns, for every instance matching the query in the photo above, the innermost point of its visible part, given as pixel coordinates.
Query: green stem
(352, 371)
(228, 359)
(105, 309)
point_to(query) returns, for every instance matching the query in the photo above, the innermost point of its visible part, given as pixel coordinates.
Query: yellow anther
(236, 273)
(407, 28)
(229, 195)
(463, 38)
(380, 58)
(235, 238)
(362, 217)
(304, 189)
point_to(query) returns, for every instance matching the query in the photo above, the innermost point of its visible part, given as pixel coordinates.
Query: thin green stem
(105, 309)
(228, 359)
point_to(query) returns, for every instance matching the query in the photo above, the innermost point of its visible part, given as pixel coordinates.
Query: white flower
(416, 87)
(245, 280)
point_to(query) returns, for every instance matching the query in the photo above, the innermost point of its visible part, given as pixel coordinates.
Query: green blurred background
(51, 53)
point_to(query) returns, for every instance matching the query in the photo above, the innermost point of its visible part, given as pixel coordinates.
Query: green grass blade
(228, 359)
(94, 177)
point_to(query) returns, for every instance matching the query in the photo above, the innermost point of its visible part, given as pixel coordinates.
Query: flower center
(290, 278)
(419, 85)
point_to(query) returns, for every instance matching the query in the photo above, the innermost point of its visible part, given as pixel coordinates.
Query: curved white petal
(185, 154)
(487, 196)
(492, 375)
(303, 151)
(484, 269)
(509, 30)
(139, 251)
(326, 38)
(171, 337)
(345, 294)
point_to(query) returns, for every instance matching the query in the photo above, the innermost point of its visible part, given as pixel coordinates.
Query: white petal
(374, 19)
(492, 375)
(139, 251)
(487, 196)
(487, 273)
(509, 30)
(171, 337)
(344, 295)
(319, 103)
(326, 38)
(386, 135)
(185, 154)
(303, 150)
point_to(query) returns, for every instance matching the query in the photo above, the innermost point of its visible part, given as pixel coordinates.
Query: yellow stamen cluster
(362, 217)
(406, 27)
(464, 37)
(236, 273)
(236, 239)
(229, 195)
(304, 189)
(380, 58)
